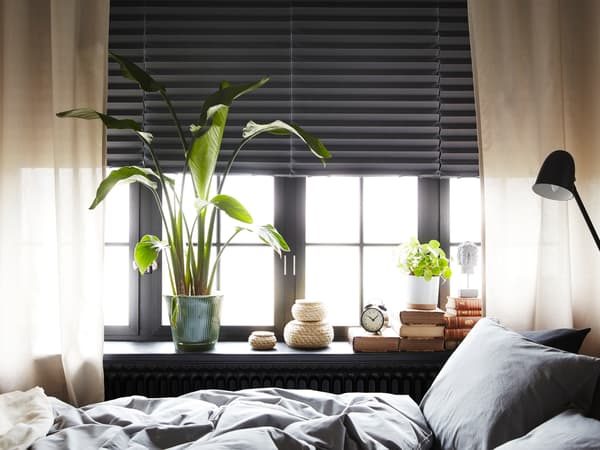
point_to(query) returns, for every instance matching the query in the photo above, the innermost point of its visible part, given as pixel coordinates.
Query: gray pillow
(567, 339)
(569, 429)
(498, 386)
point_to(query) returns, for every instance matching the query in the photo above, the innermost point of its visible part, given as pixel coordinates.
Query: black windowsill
(131, 351)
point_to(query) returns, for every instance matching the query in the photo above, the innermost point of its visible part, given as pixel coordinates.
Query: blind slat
(385, 84)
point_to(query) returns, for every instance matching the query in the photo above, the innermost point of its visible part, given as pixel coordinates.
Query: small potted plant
(424, 264)
(194, 306)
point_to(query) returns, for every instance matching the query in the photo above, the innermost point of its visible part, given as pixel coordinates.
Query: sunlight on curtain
(52, 58)
(536, 66)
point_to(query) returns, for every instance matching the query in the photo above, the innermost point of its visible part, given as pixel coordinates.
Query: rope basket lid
(309, 310)
(308, 334)
(262, 340)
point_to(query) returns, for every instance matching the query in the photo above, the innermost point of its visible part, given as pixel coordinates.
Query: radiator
(160, 378)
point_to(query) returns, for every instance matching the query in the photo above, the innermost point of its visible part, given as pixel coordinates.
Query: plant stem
(217, 259)
(230, 162)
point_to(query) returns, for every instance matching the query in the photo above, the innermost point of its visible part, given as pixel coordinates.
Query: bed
(499, 389)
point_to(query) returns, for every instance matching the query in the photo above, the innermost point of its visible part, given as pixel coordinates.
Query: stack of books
(420, 330)
(462, 313)
(363, 341)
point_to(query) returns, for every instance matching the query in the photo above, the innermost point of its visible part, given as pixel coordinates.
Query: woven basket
(309, 310)
(299, 334)
(262, 340)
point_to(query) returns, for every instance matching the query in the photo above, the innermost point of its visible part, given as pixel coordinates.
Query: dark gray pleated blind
(386, 85)
(458, 129)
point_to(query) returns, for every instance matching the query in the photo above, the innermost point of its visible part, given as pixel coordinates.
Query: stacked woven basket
(309, 328)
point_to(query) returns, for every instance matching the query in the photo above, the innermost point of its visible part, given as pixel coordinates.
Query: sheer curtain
(536, 66)
(52, 57)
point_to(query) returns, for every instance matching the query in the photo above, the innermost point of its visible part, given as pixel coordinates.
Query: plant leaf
(109, 121)
(232, 207)
(270, 236)
(205, 152)
(223, 98)
(279, 127)
(133, 72)
(146, 251)
(128, 174)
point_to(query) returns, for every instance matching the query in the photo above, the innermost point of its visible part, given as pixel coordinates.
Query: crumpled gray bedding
(262, 419)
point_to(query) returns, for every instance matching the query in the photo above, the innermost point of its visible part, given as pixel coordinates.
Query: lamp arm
(586, 217)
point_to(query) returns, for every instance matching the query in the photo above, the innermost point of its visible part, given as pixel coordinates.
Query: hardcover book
(464, 303)
(456, 334)
(451, 345)
(420, 316)
(460, 321)
(463, 312)
(363, 341)
(421, 345)
(418, 330)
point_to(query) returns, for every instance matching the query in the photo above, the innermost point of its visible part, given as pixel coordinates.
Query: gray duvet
(252, 419)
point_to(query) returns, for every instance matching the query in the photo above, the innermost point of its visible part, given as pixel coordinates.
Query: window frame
(289, 202)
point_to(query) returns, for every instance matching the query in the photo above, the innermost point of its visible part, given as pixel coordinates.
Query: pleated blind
(386, 85)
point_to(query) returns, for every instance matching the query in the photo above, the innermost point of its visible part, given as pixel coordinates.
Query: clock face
(372, 319)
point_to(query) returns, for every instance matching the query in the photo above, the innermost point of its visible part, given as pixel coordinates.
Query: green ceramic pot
(195, 321)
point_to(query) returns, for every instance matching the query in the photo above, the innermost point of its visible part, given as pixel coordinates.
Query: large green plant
(189, 248)
(425, 260)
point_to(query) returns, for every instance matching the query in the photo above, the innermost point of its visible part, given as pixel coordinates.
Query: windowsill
(226, 351)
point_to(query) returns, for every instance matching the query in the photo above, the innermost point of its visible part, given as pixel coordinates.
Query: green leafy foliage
(128, 174)
(425, 260)
(188, 246)
(146, 251)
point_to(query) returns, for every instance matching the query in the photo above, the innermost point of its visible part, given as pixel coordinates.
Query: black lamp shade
(556, 179)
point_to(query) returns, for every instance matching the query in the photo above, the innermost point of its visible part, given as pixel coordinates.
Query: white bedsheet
(24, 418)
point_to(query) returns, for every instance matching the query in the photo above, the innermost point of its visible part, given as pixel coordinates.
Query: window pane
(256, 194)
(246, 280)
(381, 276)
(117, 268)
(465, 210)
(390, 209)
(116, 215)
(248, 285)
(189, 211)
(332, 209)
(332, 275)
(460, 280)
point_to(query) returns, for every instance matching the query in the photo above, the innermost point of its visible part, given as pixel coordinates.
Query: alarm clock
(373, 318)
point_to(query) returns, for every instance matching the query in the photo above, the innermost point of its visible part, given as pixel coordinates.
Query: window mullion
(434, 217)
(289, 221)
(150, 297)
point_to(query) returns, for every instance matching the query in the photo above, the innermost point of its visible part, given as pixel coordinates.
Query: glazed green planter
(195, 321)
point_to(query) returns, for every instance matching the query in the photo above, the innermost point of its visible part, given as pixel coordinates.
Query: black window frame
(145, 290)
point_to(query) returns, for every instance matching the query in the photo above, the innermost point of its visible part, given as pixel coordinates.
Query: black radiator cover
(234, 366)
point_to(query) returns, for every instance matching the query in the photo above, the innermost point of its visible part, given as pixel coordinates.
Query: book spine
(421, 345)
(460, 321)
(464, 303)
(451, 345)
(463, 312)
(456, 334)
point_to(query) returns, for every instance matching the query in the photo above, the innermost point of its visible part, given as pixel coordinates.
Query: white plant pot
(422, 294)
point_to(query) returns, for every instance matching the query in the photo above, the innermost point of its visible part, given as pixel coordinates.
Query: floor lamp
(556, 181)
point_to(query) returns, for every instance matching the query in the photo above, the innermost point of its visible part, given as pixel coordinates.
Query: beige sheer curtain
(52, 57)
(536, 65)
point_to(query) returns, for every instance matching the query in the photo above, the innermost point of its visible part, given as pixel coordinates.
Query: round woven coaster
(262, 340)
(309, 310)
(308, 334)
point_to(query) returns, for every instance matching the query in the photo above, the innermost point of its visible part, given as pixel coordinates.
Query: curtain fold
(52, 57)
(535, 67)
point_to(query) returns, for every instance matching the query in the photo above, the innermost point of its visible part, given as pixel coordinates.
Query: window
(465, 226)
(343, 250)
(386, 85)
